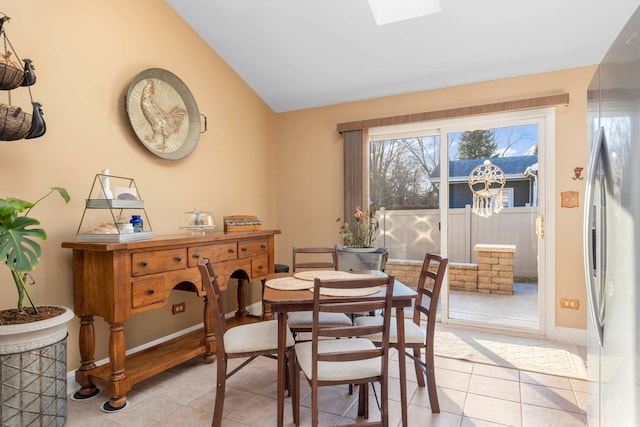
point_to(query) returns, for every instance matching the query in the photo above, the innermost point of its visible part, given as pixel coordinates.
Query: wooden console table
(118, 280)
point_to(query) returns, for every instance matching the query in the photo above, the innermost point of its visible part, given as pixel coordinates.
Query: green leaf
(17, 248)
(62, 193)
(11, 207)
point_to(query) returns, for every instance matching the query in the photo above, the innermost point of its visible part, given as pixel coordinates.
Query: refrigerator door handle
(595, 304)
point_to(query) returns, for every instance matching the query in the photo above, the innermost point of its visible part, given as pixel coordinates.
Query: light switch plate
(569, 199)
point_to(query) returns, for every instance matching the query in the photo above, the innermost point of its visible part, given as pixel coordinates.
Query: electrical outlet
(178, 308)
(573, 304)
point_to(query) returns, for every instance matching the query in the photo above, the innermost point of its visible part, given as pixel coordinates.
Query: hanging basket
(10, 76)
(14, 123)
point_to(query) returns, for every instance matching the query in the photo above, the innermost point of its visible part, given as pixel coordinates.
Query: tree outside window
(399, 171)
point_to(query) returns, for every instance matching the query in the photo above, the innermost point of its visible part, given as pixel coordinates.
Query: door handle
(540, 226)
(594, 295)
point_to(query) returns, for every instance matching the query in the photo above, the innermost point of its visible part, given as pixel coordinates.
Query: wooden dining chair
(416, 338)
(243, 341)
(315, 258)
(349, 361)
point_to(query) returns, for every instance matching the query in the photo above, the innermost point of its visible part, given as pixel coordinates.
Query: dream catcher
(486, 182)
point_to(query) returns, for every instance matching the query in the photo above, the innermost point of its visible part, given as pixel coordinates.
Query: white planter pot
(33, 372)
(30, 336)
(352, 259)
(358, 250)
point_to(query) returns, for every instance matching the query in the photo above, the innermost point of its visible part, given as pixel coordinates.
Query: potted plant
(364, 230)
(357, 251)
(32, 339)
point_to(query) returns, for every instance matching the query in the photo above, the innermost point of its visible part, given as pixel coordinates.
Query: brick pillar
(495, 268)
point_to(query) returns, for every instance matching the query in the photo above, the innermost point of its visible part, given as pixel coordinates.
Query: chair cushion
(258, 336)
(339, 371)
(413, 334)
(304, 319)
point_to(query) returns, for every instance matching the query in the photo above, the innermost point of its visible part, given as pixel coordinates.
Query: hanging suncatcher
(486, 182)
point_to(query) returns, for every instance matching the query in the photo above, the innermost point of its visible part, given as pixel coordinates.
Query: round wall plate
(163, 113)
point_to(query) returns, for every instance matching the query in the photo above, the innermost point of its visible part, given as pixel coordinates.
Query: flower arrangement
(364, 231)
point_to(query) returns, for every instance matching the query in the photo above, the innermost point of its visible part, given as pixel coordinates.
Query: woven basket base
(14, 123)
(10, 76)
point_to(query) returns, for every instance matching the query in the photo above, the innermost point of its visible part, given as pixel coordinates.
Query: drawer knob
(260, 267)
(231, 250)
(196, 255)
(244, 249)
(144, 263)
(263, 246)
(178, 258)
(150, 291)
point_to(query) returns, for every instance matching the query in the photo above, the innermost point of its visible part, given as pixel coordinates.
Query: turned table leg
(87, 343)
(242, 302)
(267, 311)
(118, 381)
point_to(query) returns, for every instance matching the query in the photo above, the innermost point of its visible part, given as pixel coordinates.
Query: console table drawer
(216, 253)
(158, 261)
(148, 290)
(251, 248)
(260, 266)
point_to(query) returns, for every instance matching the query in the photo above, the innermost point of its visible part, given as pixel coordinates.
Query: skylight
(388, 11)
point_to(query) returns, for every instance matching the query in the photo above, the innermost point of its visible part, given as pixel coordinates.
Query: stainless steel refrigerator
(612, 234)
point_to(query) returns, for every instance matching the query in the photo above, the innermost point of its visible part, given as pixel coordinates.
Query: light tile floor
(470, 394)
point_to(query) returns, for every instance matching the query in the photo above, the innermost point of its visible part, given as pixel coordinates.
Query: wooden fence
(409, 234)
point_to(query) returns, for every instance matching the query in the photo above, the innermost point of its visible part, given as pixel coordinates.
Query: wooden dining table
(286, 301)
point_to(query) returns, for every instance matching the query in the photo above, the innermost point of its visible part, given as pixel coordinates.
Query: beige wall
(285, 168)
(310, 172)
(86, 53)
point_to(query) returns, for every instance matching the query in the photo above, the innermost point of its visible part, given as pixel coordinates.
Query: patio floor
(519, 309)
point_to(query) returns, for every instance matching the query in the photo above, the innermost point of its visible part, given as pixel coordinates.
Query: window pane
(513, 148)
(400, 172)
(405, 179)
(508, 141)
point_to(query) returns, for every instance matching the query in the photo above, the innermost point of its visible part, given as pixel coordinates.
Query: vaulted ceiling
(298, 54)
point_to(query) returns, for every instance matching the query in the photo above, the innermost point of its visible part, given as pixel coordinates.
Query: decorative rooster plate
(163, 113)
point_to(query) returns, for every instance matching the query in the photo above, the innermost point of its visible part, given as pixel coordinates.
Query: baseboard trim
(569, 336)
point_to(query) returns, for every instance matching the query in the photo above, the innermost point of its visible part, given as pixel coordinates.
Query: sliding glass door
(419, 179)
(492, 211)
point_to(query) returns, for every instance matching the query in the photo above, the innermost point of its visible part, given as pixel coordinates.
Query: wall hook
(204, 120)
(577, 171)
